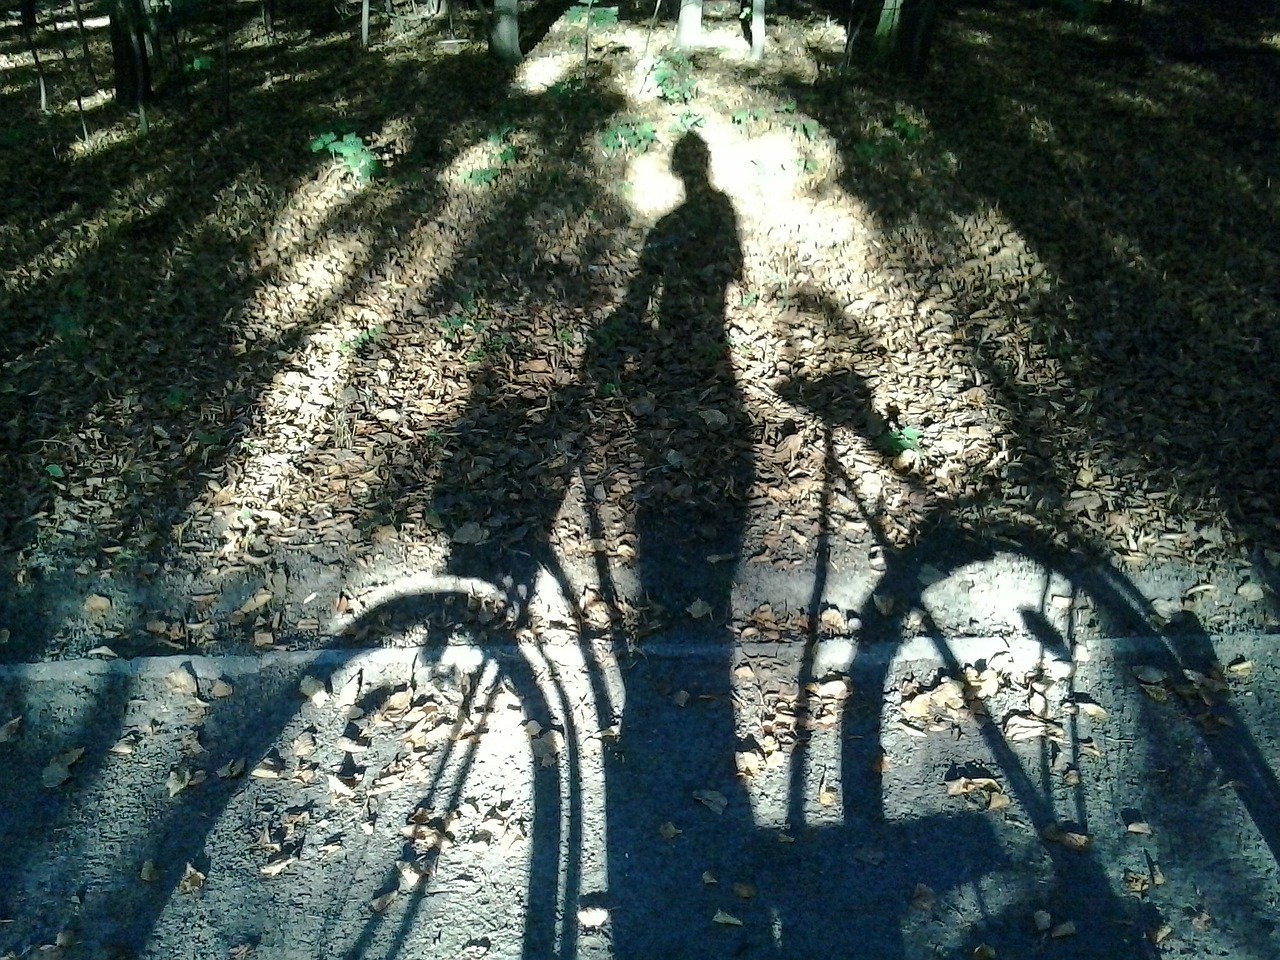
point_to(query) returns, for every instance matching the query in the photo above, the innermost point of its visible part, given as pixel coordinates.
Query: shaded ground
(231, 367)
(631, 372)
(404, 808)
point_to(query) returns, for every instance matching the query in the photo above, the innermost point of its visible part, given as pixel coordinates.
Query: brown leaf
(96, 605)
(192, 880)
(182, 681)
(713, 800)
(58, 770)
(470, 534)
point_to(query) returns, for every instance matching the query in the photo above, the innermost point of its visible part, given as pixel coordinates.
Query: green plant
(465, 319)
(565, 89)
(688, 120)
(493, 346)
(504, 153)
(177, 399)
(589, 17)
(629, 135)
(673, 74)
(198, 65)
(908, 130)
(362, 339)
(745, 118)
(353, 151)
(806, 127)
(906, 438)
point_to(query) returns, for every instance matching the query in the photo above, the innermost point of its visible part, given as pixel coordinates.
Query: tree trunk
(504, 38)
(896, 34)
(757, 29)
(689, 25)
(28, 14)
(132, 41)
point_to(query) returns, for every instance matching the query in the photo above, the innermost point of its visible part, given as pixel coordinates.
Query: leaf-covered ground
(645, 321)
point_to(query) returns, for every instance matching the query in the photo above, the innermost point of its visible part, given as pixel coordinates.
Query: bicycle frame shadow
(1114, 926)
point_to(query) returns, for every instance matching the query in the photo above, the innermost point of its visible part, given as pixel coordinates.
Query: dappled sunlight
(630, 500)
(536, 75)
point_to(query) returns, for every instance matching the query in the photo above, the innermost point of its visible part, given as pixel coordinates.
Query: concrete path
(695, 799)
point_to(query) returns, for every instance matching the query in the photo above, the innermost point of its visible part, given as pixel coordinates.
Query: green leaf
(322, 141)
(908, 438)
(54, 471)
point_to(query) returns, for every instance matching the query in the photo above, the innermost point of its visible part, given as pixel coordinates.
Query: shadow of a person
(679, 453)
(662, 363)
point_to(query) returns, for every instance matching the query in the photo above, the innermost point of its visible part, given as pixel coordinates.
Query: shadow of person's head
(691, 162)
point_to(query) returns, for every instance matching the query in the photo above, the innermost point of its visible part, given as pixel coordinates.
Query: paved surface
(696, 799)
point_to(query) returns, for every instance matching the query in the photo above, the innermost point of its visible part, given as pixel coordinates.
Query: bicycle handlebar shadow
(1113, 926)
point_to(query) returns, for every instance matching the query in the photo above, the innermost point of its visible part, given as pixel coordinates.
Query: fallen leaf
(9, 730)
(699, 609)
(713, 418)
(314, 689)
(1150, 675)
(713, 800)
(1067, 929)
(255, 603)
(380, 904)
(97, 605)
(1042, 920)
(726, 919)
(179, 779)
(105, 652)
(1134, 882)
(231, 770)
(221, 689)
(181, 681)
(1250, 591)
(923, 899)
(1021, 727)
(1139, 827)
(470, 534)
(273, 868)
(269, 768)
(410, 875)
(58, 770)
(669, 831)
(192, 880)
(1240, 668)
(148, 873)
(998, 801)
(1056, 833)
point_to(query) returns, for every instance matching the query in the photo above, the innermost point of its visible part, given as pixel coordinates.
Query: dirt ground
(644, 503)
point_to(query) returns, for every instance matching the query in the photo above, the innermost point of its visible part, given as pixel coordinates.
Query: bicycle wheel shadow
(1108, 922)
